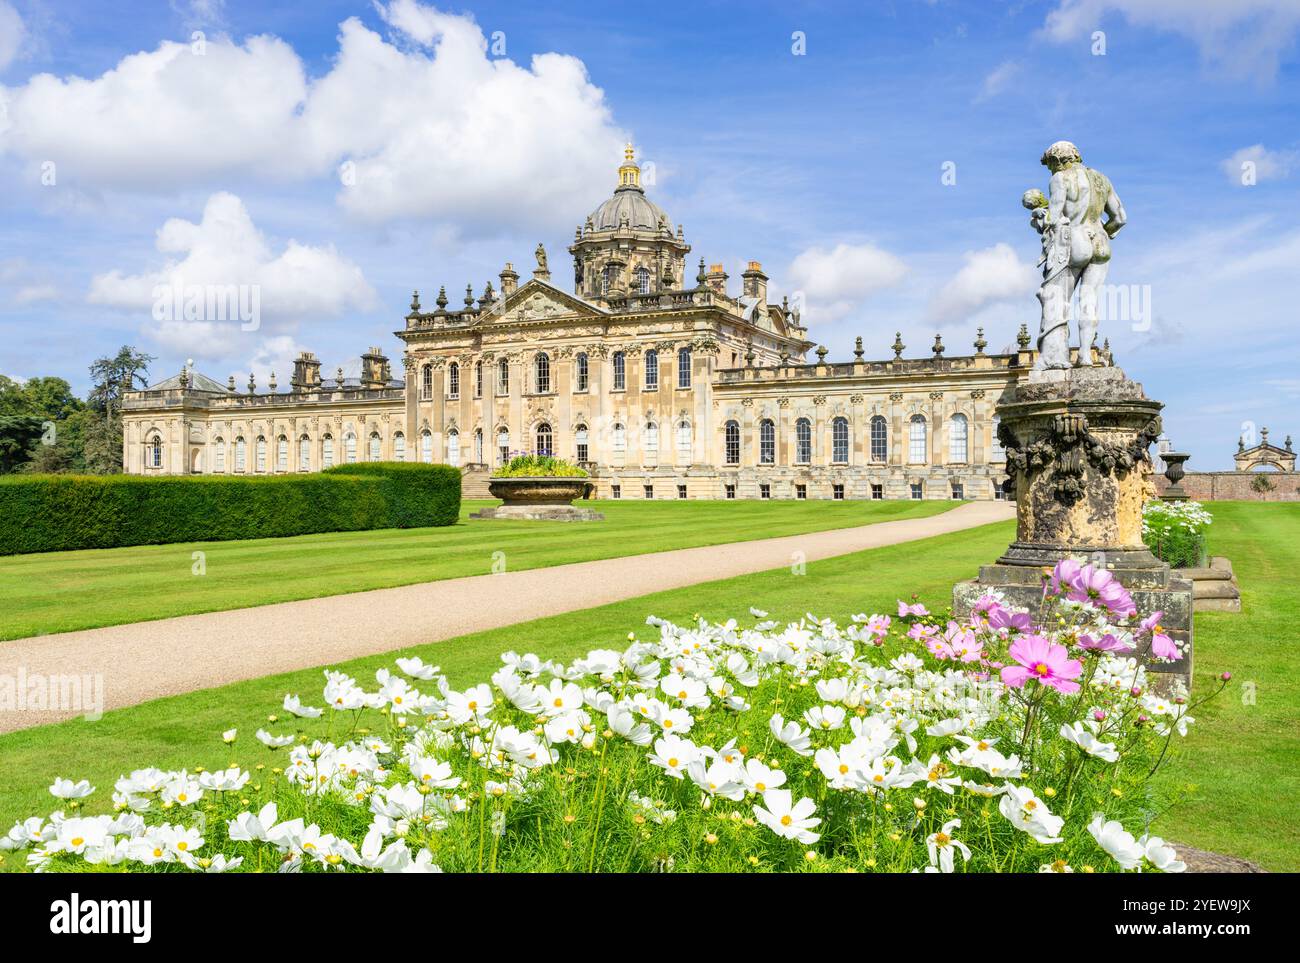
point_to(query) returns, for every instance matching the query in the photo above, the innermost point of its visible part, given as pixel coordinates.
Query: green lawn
(1241, 759)
(61, 591)
(1243, 755)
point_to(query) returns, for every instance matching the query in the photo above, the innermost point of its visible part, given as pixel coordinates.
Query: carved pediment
(537, 301)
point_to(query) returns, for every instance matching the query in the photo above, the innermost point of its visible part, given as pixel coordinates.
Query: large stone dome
(629, 204)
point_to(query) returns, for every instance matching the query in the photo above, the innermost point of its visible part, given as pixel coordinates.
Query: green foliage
(1261, 484)
(418, 495)
(1175, 532)
(19, 434)
(44, 513)
(539, 466)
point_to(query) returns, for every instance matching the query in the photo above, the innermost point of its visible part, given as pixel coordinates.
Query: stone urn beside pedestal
(1076, 444)
(539, 499)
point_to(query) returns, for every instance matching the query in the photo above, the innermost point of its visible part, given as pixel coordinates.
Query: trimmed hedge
(51, 513)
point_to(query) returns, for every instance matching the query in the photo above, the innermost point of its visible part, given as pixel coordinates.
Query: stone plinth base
(540, 513)
(1076, 443)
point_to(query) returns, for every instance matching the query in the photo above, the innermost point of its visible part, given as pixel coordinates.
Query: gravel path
(147, 660)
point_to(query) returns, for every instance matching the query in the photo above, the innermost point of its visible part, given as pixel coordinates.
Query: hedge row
(49, 513)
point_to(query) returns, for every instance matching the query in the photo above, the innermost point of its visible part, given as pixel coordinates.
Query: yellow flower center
(1041, 669)
(786, 820)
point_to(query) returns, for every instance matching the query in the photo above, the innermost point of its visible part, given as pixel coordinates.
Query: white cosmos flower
(718, 779)
(673, 754)
(625, 724)
(791, 821)
(1161, 855)
(229, 736)
(417, 668)
(79, 834)
(791, 734)
(293, 705)
(758, 777)
(1086, 739)
(1030, 814)
(430, 772)
(67, 789)
(825, 717)
(247, 827)
(274, 742)
(224, 780)
(942, 845)
(1117, 841)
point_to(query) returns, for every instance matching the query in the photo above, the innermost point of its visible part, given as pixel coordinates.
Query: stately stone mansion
(662, 384)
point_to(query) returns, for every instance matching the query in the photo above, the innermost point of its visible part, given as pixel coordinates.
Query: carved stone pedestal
(1076, 444)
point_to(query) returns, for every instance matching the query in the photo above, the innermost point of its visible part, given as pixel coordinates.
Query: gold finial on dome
(629, 175)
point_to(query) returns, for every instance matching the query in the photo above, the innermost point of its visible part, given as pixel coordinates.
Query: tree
(18, 435)
(109, 377)
(39, 410)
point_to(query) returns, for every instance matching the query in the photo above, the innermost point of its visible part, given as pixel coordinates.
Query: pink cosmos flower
(1001, 618)
(1095, 585)
(904, 610)
(921, 631)
(1162, 646)
(878, 625)
(1105, 643)
(1044, 661)
(1065, 573)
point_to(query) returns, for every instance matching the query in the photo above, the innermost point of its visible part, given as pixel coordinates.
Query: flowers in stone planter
(1175, 531)
(994, 740)
(539, 466)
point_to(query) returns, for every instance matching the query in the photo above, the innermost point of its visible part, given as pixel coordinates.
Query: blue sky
(130, 155)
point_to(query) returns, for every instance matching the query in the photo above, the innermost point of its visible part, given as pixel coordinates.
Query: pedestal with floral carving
(1077, 443)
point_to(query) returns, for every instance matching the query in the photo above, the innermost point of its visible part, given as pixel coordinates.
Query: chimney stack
(717, 280)
(375, 372)
(306, 373)
(509, 280)
(756, 285)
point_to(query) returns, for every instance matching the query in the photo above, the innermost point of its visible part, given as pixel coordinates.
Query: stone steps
(474, 483)
(1214, 586)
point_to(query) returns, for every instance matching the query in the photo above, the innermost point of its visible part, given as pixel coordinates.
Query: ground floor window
(730, 491)
(649, 491)
(958, 491)
(153, 453)
(681, 491)
(426, 446)
(801, 491)
(399, 446)
(327, 452)
(837, 492)
(878, 492)
(304, 453)
(615, 491)
(918, 490)
(765, 490)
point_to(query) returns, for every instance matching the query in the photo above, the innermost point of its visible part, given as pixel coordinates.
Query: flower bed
(539, 466)
(894, 743)
(1175, 532)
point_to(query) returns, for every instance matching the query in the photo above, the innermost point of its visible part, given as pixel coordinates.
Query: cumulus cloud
(422, 124)
(988, 276)
(222, 280)
(1257, 163)
(1246, 37)
(12, 32)
(836, 282)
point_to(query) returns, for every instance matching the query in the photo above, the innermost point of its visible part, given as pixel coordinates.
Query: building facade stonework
(663, 384)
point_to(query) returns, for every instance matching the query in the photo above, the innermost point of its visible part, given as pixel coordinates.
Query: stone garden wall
(1209, 486)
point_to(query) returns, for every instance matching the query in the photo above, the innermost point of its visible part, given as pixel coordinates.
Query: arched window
(426, 382)
(580, 437)
(608, 279)
(542, 372)
(958, 433)
(620, 371)
(260, 454)
(350, 448)
(218, 455)
(642, 281)
(840, 441)
(453, 448)
(282, 454)
(327, 451)
(684, 444)
(580, 364)
(996, 452)
(732, 443)
(766, 442)
(503, 446)
(373, 452)
(478, 379)
(620, 444)
(683, 367)
(652, 370)
(478, 445)
(503, 377)
(879, 438)
(545, 439)
(651, 443)
(399, 446)
(426, 446)
(453, 380)
(304, 453)
(803, 441)
(916, 440)
(241, 454)
(153, 452)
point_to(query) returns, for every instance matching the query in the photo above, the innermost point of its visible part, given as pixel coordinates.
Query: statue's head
(1033, 198)
(1059, 155)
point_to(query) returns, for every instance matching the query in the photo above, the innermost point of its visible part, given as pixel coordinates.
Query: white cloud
(1247, 37)
(998, 80)
(834, 283)
(1266, 164)
(990, 275)
(423, 125)
(36, 292)
(12, 32)
(225, 252)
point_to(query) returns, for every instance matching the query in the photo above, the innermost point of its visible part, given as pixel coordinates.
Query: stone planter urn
(1174, 473)
(539, 499)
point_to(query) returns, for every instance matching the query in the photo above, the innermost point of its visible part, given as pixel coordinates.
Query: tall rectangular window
(620, 371)
(683, 367)
(879, 439)
(840, 441)
(803, 441)
(766, 442)
(652, 370)
(916, 440)
(581, 365)
(958, 433)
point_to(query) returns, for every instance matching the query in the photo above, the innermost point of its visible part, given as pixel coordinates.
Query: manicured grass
(1240, 759)
(1242, 756)
(62, 591)
(186, 730)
